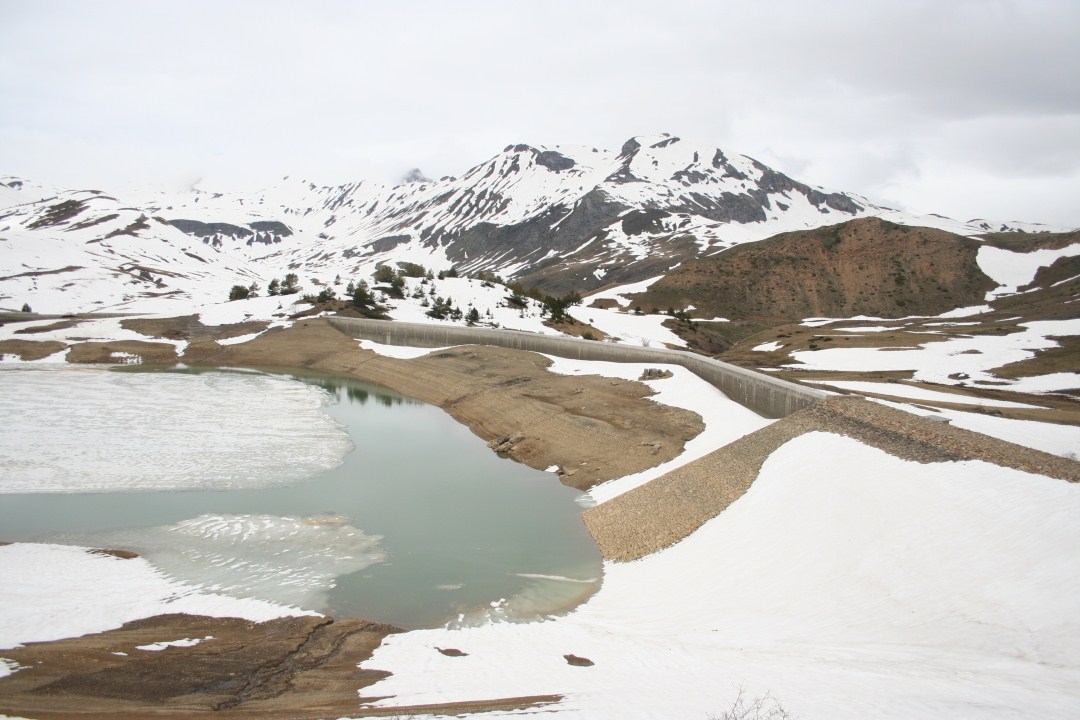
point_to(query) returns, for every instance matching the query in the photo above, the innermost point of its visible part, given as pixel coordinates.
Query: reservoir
(319, 492)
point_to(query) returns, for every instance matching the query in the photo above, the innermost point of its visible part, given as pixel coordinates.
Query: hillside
(861, 267)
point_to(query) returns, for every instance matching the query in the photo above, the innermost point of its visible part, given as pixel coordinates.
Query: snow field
(939, 590)
(935, 361)
(466, 293)
(1012, 270)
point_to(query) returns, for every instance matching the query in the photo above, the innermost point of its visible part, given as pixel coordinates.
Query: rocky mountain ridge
(562, 218)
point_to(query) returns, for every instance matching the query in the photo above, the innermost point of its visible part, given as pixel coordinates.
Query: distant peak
(415, 175)
(630, 147)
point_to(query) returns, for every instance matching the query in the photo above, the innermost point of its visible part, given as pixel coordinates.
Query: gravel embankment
(668, 509)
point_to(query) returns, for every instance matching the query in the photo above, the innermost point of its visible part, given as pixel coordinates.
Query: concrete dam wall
(765, 395)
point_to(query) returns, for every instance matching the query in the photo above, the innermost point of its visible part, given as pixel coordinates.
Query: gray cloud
(943, 106)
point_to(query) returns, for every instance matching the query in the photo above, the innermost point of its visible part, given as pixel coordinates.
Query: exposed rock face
(554, 161)
(265, 232)
(861, 267)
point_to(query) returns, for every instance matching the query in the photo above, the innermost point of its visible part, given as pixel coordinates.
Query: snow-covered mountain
(562, 218)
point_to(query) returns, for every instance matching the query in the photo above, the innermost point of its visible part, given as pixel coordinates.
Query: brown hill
(862, 267)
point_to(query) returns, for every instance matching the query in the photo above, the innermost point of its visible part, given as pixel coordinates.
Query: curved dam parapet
(766, 395)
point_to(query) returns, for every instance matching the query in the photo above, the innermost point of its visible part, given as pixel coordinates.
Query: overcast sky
(968, 108)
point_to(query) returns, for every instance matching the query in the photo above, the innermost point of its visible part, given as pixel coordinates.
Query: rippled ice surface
(95, 430)
(291, 560)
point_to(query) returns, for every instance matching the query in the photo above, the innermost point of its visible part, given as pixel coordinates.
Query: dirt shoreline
(594, 428)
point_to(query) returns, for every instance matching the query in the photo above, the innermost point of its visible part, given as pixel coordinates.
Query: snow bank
(918, 393)
(914, 591)
(725, 420)
(1053, 438)
(401, 352)
(58, 591)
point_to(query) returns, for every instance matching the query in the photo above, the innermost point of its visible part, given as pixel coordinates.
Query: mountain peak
(415, 175)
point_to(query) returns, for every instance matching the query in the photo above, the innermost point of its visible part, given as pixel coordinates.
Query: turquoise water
(420, 525)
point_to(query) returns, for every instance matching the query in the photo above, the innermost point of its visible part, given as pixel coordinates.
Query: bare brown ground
(292, 667)
(288, 669)
(30, 349)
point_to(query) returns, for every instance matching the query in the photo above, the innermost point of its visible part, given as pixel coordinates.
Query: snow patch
(183, 642)
(60, 591)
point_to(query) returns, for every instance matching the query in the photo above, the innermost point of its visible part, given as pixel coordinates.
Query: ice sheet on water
(543, 596)
(94, 430)
(289, 560)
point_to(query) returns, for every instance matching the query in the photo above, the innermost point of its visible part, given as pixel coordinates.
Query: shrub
(765, 707)
(413, 270)
(556, 307)
(239, 292)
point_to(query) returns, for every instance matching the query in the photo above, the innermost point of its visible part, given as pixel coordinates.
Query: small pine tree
(26, 308)
(362, 297)
(274, 288)
(239, 292)
(474, 316)
(253, 290)
(291, 285)
(384, 274)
